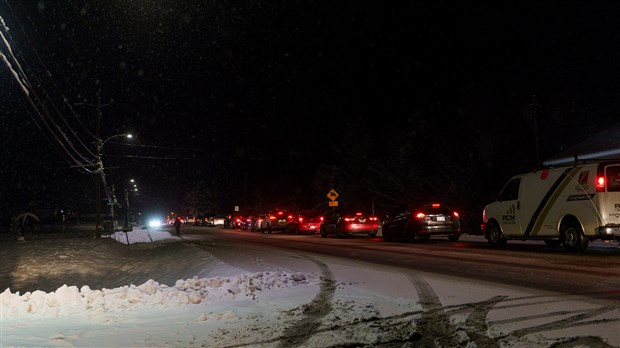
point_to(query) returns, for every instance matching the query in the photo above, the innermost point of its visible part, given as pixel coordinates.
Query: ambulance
(569, 206)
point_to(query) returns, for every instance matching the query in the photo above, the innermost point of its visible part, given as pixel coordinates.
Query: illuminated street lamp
(127, 189)
(126, 135)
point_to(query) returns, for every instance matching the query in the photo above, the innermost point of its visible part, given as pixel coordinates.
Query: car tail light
(321, 218)
(290, 217)
(260, 220)
(456, 214)
(358, 214)
(600, 184)
(280, 213)
(348, 219)
(436, 205)
(420, 216)
(373, 218)
(301, 219)
(271, 217)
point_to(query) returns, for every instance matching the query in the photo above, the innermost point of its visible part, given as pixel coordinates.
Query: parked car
(233, 221)
(217, 220)
(247, 222)
(421, 222)
(305, 221)
(277, 220)
(342, 223)
(257, 222)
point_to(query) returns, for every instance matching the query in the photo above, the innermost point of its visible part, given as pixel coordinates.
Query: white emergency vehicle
(569, 205)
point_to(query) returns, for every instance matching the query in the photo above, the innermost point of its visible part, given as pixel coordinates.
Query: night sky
(261, 100)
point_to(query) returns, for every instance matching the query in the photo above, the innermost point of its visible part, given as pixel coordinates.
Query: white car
(218, 220)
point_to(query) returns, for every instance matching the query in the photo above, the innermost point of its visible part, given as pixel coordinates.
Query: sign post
(332, 195)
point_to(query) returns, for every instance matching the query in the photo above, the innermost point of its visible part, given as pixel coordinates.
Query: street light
(127, 135)
(135, 189)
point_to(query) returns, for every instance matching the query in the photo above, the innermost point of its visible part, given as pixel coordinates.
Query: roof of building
(604, 145)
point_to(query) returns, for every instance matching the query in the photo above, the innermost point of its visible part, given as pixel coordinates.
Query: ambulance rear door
(608, 189)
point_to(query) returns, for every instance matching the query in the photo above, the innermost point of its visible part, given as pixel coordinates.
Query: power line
(46, 118)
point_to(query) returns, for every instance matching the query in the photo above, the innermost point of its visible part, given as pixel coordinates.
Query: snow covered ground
(194, 297)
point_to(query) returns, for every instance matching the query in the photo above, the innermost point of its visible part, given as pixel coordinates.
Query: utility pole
(99, 174)
(99, 179)
(126, 225)
(112, 207)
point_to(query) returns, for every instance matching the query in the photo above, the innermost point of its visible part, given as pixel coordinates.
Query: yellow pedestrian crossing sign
(332, 195)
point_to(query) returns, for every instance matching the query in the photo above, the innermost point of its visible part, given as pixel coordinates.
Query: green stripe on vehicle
(547, 204)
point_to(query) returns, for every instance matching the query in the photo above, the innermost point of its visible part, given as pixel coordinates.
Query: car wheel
(323, 232)
(574, 240)
(387, 236)
(495, 236)
(454, 237)
(413, 236)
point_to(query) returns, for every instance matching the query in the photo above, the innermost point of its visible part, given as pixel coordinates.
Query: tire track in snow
(302, 330)
(433, 327)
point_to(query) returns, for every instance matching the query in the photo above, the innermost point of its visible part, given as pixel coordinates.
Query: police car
(569, 205)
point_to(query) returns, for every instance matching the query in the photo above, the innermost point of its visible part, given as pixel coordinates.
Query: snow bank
(140, 235)
(68, 300)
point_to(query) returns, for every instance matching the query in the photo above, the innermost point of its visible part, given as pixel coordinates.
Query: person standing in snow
(177, 226)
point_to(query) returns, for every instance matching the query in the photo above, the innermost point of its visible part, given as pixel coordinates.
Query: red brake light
(600, 184)
(321, 218)
(290, 217)
(347, 219)
(301, 219)
(358, 214)
(373, 218)
(436, 205)
(420, 216)
(456, 215)
(271, 217)
(280, 213)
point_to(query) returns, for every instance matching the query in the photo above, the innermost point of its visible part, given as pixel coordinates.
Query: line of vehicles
(336, 222)
(569, 205)
(409, 223)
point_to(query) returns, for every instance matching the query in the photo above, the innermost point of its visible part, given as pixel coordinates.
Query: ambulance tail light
(600, 184)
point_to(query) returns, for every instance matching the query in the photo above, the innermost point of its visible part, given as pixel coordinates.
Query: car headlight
(154, 223)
